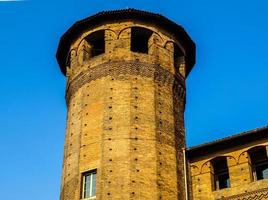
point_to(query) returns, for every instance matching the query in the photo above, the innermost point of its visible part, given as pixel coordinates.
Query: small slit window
(96, 42)
(139, 39)
(259, 163)
(220, 173)
(89, 184)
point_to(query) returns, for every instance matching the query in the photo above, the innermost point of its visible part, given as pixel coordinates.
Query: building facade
(233, 168)
(125, 136)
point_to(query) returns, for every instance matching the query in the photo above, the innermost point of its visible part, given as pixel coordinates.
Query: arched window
(139, 39)
(96, 42)
(259, 163)
(220, 173)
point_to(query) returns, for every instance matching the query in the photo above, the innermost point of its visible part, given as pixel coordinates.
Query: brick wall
(125, 118)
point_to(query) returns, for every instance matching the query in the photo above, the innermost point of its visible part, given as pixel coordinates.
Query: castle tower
(125, 95)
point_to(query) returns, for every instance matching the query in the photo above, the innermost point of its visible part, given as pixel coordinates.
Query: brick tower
(125, 95)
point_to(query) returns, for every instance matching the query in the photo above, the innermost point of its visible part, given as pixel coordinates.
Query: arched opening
(258, 163)
(220, 172)
(139, 39)
(178, 58)
(96, 42)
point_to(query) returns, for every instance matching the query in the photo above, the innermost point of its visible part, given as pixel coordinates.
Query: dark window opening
(178, 56)
(259, 163)
(96, 42)
(221, 173)
(139, 39)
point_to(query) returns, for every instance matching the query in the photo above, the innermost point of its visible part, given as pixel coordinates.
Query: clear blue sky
(226, 91)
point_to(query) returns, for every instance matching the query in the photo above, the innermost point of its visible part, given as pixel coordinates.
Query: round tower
(125, 96)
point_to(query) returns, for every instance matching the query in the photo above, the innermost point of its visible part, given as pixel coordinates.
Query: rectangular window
(222, 180)
(221, 173)
(177, 56)
(139, 39)
(97, 43)
(89, 184)
(259, 163)
(261, 171)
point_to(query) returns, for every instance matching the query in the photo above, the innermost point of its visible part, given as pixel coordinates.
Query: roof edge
(228, 140)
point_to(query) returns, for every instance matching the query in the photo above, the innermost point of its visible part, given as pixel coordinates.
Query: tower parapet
(125, 94)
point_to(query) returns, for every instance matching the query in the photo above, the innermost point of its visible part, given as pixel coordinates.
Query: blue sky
(226, 91)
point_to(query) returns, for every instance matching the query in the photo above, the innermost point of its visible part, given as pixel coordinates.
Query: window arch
(220, 173)
(139, 39)
(258, 162)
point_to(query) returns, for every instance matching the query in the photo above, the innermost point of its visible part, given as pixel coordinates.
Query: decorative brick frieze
(261, 194)
(121, 68)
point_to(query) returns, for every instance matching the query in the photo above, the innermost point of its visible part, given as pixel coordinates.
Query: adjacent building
(232, 168)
